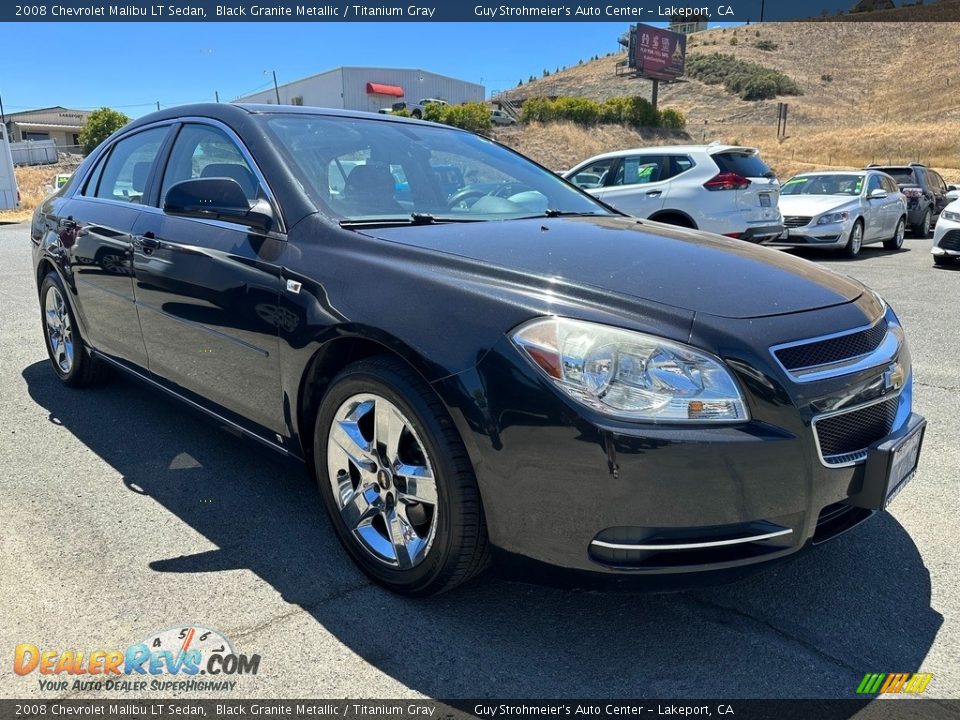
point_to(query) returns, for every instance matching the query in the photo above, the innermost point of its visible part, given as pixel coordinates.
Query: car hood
(813, 205)
(687, 269)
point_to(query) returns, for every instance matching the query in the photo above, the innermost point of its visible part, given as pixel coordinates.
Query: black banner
(632, 11)
(158, 709)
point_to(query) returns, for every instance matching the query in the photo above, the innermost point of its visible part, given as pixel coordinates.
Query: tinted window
(203, 151)
(399, 169)
(90, 189)
(127, 170)
(903, 176)
(889, 185)
(873, 183)
(593, 175)
(937, 181)
(745, 164)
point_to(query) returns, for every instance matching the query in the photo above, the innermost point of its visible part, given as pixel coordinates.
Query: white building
(370, 89)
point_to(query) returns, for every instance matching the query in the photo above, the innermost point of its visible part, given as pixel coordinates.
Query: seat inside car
(246, 179)
(370, 188)
(138, 180)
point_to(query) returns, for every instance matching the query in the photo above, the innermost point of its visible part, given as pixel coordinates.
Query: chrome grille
(795, 221)
(832, 350)
(845, 437)
(950, 241)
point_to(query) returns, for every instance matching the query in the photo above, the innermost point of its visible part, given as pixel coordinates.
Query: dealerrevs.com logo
(185, 658)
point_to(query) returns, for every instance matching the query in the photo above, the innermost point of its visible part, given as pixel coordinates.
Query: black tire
(896, 242)
(459, 549)
(922, 229)
(84, 369)
(417, 114)
(853, 246)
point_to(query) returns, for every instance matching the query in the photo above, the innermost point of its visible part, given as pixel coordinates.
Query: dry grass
(875, 107)
(35, 184)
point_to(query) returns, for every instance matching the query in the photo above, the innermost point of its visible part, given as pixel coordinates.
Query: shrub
(672, 119)
(748, 80)
(733, 41)
(100, 125)
(766, 45)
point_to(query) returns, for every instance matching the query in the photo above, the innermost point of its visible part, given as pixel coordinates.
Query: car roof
(711, 149)
(227, 111)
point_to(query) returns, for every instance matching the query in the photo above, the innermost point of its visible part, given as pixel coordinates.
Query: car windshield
(849, 185)
(360, 170)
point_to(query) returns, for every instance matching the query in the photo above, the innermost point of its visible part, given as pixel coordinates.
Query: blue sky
(131, 66)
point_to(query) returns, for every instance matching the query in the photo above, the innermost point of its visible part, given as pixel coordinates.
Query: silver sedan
(842, 210)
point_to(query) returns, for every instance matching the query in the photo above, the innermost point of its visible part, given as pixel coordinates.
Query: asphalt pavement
(124, 513)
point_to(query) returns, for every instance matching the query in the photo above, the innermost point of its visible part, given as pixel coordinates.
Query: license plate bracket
(765, 200)
(891, 465)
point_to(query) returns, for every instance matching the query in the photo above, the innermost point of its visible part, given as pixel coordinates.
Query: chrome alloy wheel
(856, 239)
(899, 234)
(382, 480)
(59, 330)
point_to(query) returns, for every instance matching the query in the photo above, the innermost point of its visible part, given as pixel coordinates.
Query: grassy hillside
(880, 91)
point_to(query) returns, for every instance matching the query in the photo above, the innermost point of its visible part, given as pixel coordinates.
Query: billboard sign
(659, 54)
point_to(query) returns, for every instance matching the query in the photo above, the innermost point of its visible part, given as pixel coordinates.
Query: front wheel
(396, 480)
(896, 242)
(855, 241)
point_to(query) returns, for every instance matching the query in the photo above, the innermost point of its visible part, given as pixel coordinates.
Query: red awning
(381, 89)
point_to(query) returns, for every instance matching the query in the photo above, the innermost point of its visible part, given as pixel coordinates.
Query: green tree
(99, 126)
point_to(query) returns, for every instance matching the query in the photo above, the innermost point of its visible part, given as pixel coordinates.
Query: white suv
(723, 189)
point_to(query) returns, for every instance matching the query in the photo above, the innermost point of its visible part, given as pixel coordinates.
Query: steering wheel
(465, 198)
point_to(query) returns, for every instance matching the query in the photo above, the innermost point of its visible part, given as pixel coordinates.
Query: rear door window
(640, 170)
(127, 170)
(595, 174)
(745, 164)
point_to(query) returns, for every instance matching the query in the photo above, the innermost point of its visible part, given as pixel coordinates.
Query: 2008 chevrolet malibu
(476, 359)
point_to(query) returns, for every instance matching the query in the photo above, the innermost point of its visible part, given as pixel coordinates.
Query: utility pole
(158, 106)
(762, 2)
(216, 94)
(276, 88)
(655, 94)
(3, 118)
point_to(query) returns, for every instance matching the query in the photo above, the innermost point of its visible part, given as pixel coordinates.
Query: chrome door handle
(654, 193)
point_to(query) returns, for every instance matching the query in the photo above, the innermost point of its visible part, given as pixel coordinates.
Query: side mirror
(217, 198)
(878, 194)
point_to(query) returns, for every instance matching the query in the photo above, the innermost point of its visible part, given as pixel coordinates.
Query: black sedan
(524, 374)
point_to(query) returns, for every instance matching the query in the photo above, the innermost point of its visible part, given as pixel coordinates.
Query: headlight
(834, 217)
(951, 216)
(631, 375)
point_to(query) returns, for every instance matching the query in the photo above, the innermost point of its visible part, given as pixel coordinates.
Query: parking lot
(125, 514)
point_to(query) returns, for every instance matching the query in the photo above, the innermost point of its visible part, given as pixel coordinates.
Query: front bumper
(570, 490)
(946, 238)
(761, 234)
(832, 235)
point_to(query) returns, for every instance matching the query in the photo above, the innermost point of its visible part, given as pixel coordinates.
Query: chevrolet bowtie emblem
(892, 378)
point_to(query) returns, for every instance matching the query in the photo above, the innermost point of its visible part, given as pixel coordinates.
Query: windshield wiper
(411, 219)
(568, 213)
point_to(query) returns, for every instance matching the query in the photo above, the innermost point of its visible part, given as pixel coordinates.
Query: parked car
(9, 191)
(925, 190)
(501, 117)
(842, 210)
(946, 236)
(723, 189)
(530, 376)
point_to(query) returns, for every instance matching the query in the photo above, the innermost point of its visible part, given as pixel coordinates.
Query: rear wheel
(855, 241)
(896, 242)
(922, 228)
(68, 355)
(396, 480)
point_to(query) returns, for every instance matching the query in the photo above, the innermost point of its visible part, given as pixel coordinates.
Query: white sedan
(842, 210)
